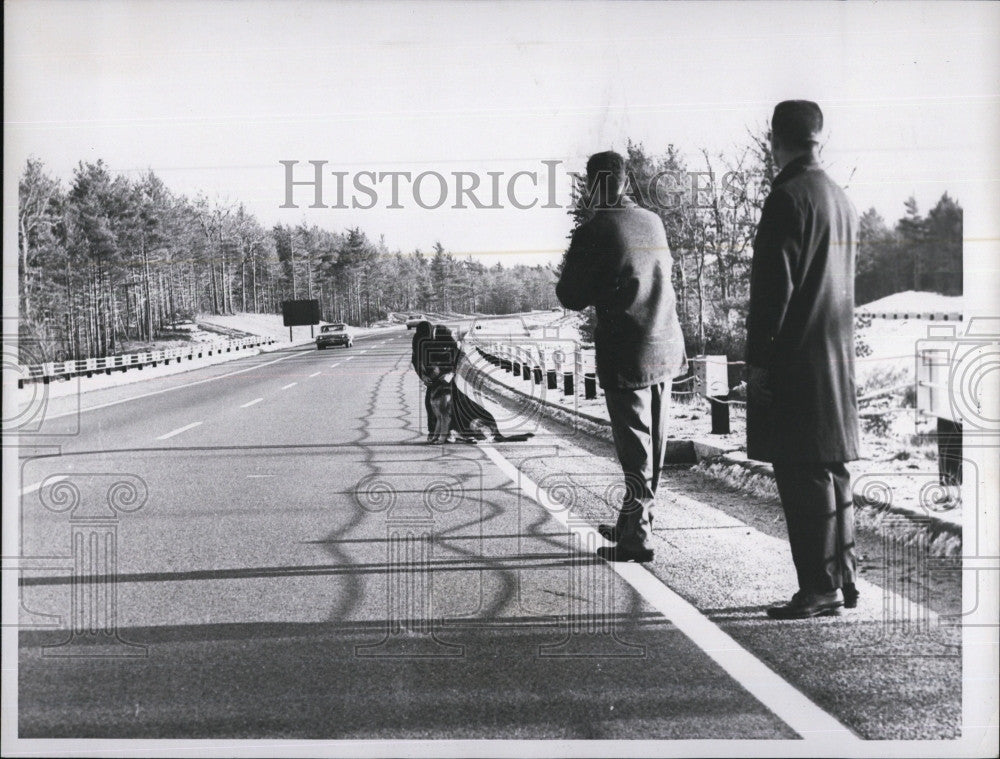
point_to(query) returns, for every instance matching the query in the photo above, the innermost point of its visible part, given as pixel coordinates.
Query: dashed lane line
(787, 702)
(290, 384)
(314, 374)
(248, 404)
(178, 431)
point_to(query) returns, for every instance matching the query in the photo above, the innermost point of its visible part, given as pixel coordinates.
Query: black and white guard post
(712, 381)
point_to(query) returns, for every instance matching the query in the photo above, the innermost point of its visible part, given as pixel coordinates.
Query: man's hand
(759, 386)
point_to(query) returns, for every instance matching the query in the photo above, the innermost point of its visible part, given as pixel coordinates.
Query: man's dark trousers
(429, 408)
(638, 424)
(819, 510)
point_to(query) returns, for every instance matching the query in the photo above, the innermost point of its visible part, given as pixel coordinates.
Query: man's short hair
(796, 124)
(608, 169)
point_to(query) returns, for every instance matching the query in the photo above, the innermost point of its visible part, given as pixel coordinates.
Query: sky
(212, 95)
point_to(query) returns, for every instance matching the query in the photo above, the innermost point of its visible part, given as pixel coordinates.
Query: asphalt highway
(268, 548)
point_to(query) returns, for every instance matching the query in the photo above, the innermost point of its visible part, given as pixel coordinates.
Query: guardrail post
(949, 441)
(720, 415)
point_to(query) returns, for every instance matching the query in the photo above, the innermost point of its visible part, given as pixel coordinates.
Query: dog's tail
(519, 438)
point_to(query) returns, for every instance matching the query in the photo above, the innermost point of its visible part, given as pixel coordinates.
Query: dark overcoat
(800, 327)
(620, 262)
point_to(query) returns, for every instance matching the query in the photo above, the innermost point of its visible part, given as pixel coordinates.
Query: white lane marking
(788, 703)
(255, 476)
(314, 374)
(290, 384)
(334, 366)
(170, 389)
(348, 358)
(251, 403)
(178, 431)
(47, 481)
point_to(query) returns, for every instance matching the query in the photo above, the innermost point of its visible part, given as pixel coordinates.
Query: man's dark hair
(606, 169)
(796, 124)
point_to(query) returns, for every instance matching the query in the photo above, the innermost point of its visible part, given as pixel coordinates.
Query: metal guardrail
(54, 370)
(550, 361)
(575, 365)
(934, 316)
(554, 362)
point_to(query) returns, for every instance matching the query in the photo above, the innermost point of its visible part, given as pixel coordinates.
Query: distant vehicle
(334, 334)
(414, 320)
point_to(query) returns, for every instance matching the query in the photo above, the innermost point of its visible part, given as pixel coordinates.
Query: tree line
(108, 262)
(920, 252)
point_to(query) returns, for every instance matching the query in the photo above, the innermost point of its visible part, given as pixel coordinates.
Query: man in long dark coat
(802, 408)
(620, 262)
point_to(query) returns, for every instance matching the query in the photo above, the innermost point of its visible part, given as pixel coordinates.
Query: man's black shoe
(610, 531)
(625, 553)
(851, 595)
(806, 605)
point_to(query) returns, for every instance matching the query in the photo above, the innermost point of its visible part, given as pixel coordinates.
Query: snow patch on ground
(916, 302)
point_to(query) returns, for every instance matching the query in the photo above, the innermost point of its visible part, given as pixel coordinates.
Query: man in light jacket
(802, 410)
(619, 262)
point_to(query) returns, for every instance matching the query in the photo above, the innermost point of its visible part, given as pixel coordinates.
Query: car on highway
(334, 334)
(414, 319)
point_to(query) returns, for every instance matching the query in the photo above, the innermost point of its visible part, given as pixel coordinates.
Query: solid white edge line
(290, 384)
(178, 431)
(251, 403)
(783, 699)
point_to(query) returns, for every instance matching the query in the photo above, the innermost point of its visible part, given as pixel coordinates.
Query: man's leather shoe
(851, 595)
(611, 532)
(625, 553)
(805, 605)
